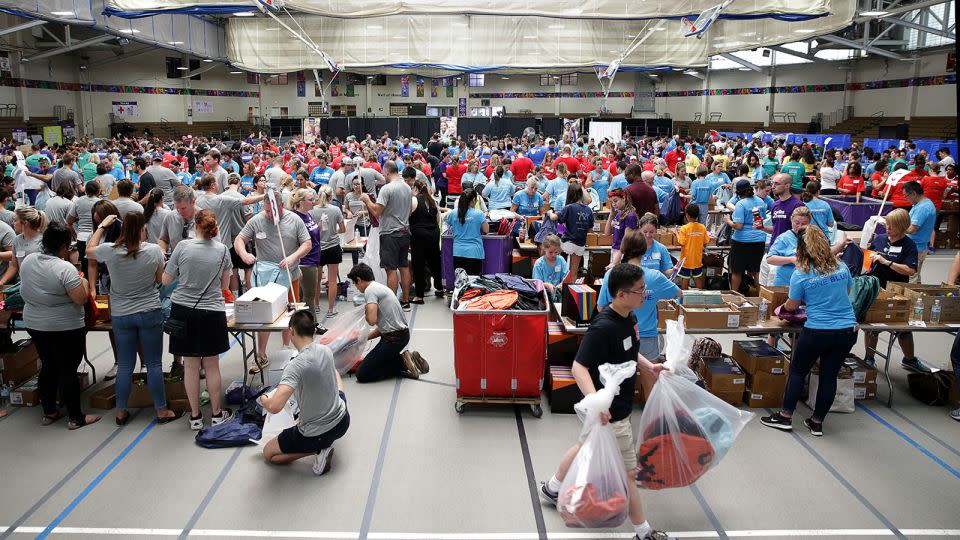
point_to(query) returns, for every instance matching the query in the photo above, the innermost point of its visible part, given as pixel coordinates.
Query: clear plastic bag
(684, 430)
(595, 492)
(347, 338)
(273, 424)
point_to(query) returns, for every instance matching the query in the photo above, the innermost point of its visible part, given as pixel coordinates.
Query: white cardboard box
(261, 305)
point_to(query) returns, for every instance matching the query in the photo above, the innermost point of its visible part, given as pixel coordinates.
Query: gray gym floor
(410, 467)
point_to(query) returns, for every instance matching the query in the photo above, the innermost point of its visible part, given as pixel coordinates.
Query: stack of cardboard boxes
(766, 372)
(724, 378)
(562, 390)
(19, 363)
(947, 295)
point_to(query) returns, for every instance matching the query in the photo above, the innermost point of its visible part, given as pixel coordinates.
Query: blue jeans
(145, 328)
(830, 348)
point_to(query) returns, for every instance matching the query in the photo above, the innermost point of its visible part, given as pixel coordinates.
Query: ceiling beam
(19, 27)
(78, 45)
(200, 70)
(854, 45)
(742, 62)
(124, 56)
(921, 28)
(798, 54)
(892, 12)
(46, 30)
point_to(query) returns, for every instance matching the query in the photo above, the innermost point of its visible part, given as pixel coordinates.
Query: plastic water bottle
(764, 310)
(916, 315)
(935, 312)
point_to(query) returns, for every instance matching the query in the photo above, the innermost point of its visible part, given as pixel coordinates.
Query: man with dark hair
(389, 357)
(923, 215)
(393, 208)
(612, 338)
(145, 180)
(642, 195)
(124, 203)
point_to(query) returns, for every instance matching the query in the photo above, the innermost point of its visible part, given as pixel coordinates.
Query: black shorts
(745, 256)
(237, 261)
(291, 441)
(394, 250)
(332, 255)
(205, 335)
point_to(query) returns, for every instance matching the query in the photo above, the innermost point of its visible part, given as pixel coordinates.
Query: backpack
(703, 348)
(671, 209)
(547, 227)
(931, 388)
(723, 235)
(862, 294)
(229, 434)
(852, 256)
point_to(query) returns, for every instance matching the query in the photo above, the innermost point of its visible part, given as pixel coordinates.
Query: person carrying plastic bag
(595, 492)
(684, 430)
(612, 338)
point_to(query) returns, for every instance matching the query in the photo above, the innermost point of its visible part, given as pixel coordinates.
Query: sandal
(167, 419)
(261, 362)
(87, 420)
(50, 418)
(417, 300)
(122, 418)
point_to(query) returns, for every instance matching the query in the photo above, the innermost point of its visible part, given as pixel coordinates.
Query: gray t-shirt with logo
(263, 232)
(133, 283)
(313, 377)
(23, 247)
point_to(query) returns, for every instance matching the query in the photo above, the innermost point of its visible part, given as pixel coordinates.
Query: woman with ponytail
(821, 213)
(154, 212)
(29, 224)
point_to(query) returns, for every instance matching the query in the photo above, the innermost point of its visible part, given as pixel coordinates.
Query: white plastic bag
(684, 429)
(595, 492)
(347, 338)
(273, 424)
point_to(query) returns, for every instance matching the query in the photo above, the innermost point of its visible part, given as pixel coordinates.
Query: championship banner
(404, 86)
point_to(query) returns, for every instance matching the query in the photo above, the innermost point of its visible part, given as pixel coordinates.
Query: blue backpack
(852, 256)
(229, 434)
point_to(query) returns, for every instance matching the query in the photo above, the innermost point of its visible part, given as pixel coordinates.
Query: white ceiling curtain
(737, 35)
(565, 9)
(445, 44)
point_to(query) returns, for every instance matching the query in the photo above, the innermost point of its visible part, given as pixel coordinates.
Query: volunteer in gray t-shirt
(124, 203)
(135, 269)
(7, 238)
(388, 358)
(202, 266)
(392, 207)
(54, 294)
(179, 225)
(313, 377)
(58, 207)
(164, 179)
(31, 222)
(80, 218)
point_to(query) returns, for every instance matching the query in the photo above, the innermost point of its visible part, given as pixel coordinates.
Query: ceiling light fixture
(556, 27)
(505, 78)
(174, 43)
(236, 72)
(130, 31)
(804, 31)
(874, 13)
(244, 14)
(62, 13)
(529, 37)
(743, 69)
(374, 27)
(658, 29)
(207, 60)
(183, 68)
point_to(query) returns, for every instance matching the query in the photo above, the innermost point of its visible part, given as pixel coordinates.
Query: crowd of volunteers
(173, 230)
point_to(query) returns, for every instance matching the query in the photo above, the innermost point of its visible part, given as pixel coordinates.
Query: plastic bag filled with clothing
(684, 430)
(347, 337)
(595, 493)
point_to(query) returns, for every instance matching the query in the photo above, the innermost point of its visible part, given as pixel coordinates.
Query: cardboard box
(140, 392)
(597, 264)
(749, 307)
(667, 310)
(757, 400)
(562, 390)
(18, 375)
(561, 346)
(104, 398)
(948, 295)
(762, 382)
(27, 394)
(598, 239)
(756, 355)
(889, 308)
(722, 375)
(861, 373)
(866, 391)
(734, 398)
(775, 295)
(711, 316)
(579, 303)
(261, 305)
(19, 354)
(667, 237)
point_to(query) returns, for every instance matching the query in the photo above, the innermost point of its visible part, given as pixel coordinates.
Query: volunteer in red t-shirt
(934, 186)
(852, 182)
(521, 167)
(673, 157)
(455, 171)
(549, 167)
(573, 166)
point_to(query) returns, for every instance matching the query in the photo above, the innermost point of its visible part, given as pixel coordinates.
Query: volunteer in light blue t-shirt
(923, 216)
(499, 192)
(701, 194)
(783, 252)
(830, 331)
(821, 213)
(468, 225)
(749, 239)
(657, 256)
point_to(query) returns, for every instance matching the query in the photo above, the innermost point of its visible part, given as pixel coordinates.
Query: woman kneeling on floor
(323, 406)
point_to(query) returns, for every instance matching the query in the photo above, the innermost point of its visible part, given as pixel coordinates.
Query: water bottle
(935, 312)
(916, 315)
(764, 310)
(4, 395)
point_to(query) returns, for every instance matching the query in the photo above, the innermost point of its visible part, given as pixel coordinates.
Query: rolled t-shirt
(389, 312)
(263, 232)
(312, 375)
(198, 264)
(133, 285)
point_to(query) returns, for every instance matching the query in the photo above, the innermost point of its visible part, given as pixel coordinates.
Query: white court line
(431, 330)
(239, 533)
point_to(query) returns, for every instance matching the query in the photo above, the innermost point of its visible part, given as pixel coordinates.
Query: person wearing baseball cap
(749, 238)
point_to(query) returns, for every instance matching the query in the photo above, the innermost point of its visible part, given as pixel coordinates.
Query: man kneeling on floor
(612, 338)
(323, 407)
(389, 358)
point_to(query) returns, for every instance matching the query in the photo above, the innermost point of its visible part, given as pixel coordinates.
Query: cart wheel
(458, 406)
(537, 411)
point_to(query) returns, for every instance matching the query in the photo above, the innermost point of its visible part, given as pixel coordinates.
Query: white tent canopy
(598, 9)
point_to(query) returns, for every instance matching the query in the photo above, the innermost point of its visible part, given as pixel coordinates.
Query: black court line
(202, 507)
(531, 476)
(843, 481)
(451, 385)
(66, 478)
(382, 454)
(709, 512)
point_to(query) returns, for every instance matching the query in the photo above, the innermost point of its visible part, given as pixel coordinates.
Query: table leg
(93, 370)
(886, 368)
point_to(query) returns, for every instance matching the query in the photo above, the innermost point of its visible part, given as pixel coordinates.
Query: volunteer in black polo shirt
(612, 338)
(894, 258)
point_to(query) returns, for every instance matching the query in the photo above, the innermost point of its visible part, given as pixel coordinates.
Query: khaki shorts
(921, 257)
(624, 433)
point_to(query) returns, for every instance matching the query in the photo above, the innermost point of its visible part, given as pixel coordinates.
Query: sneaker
(406, 306)
(870, 361)
(411, 372)
(955, 414)
(548, 496)
(332, 313)
(112, 374)
(915, 365)
(321, 463)
(654, 535)
(777, 421)
(422, 366)
(225, 414)
(260, 363)
(816, 428)
(196, 424)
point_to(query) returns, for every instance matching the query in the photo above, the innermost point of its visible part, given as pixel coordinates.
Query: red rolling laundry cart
(499, 356)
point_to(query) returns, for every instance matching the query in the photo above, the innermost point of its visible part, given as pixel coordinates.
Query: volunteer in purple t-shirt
(302, 202)
(785, 203)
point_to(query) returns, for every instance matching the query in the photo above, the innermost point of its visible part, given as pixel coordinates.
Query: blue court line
(96, 481)
(721, 533)
(912, 442)
(923, 430)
